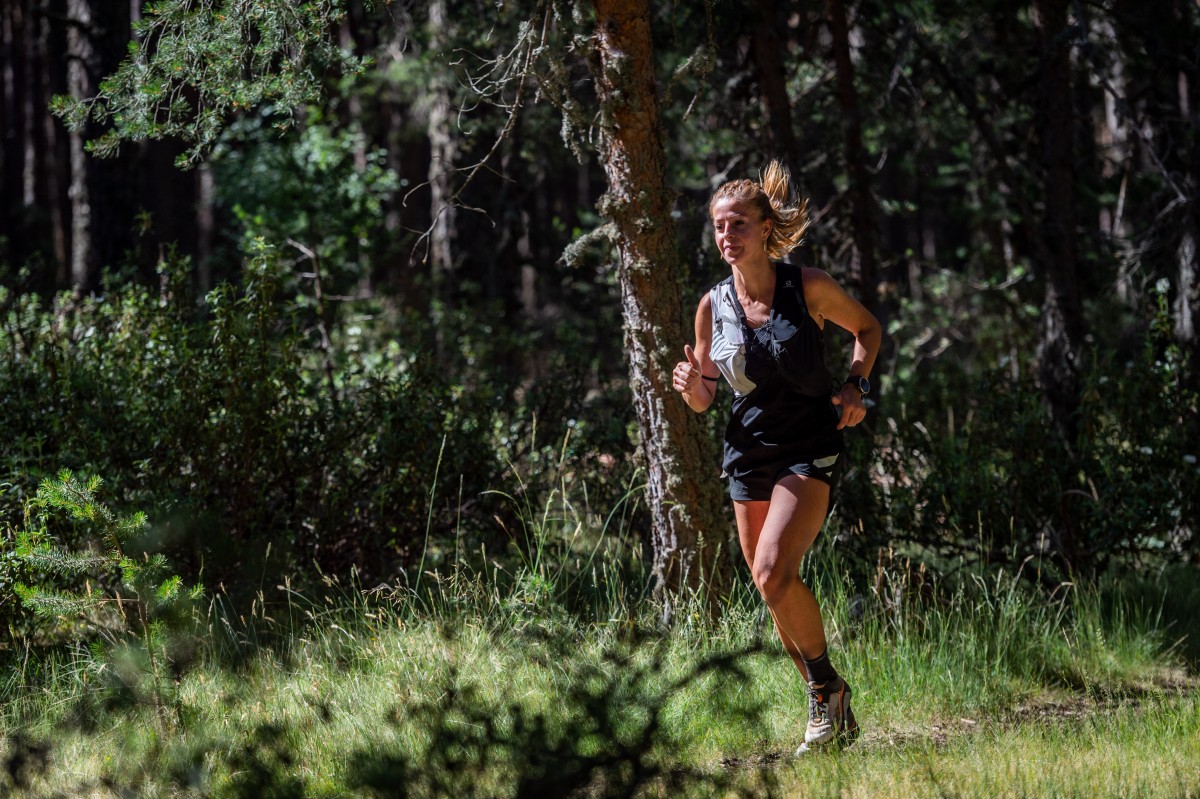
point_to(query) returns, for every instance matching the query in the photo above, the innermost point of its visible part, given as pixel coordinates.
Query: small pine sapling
(151, 607)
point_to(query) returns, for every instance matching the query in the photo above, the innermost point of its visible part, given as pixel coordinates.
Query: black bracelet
(714, 379)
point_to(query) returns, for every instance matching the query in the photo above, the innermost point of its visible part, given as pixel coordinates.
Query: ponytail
(771, 196)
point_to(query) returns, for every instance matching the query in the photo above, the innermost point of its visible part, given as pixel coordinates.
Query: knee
(772, 582)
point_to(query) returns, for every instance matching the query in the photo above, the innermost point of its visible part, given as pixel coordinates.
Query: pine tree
(149, 628)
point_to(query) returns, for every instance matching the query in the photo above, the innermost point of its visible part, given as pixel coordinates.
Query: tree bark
(81, 54)
(444, 153)
(206, 229)
(50, 176)
(1188, 102)
(1116, 144)
(769, 58)
(14, 123)
(101, 190)
(865, 274)
(1060, 341)
(689, 534)
(1062, 327)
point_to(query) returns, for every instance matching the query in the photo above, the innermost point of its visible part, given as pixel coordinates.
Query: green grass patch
(1146, 747)
(488, 687)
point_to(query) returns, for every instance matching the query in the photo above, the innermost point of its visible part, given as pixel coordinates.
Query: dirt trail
(1054, 707)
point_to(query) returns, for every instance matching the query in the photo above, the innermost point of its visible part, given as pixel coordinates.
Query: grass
(550, 680)
(999, 690)
(1147, 748)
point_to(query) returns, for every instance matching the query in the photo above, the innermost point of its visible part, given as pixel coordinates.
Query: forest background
(375, 292)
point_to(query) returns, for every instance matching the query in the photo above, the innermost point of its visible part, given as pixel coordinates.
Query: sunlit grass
(1146, 748)
(494, 674)
(941, 685)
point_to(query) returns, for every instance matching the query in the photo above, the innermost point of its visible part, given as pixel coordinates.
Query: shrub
(264, 448)
(970, 465)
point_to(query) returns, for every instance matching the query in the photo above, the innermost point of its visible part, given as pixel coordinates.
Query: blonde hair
(770, 196)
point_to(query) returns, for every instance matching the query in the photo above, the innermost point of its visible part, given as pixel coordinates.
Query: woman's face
(740, 230)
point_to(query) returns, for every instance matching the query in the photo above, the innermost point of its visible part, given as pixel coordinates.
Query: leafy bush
(262, 448)
(304, 190)
(971, 466)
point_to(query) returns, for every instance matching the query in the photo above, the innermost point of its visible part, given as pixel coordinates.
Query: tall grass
(546, 672)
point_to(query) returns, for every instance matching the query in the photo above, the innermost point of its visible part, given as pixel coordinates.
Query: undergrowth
(551, 678)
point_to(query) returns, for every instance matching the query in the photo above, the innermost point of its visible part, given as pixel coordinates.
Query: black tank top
(782, 407)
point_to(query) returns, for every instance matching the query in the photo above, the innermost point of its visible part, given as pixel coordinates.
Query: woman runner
(761, 329)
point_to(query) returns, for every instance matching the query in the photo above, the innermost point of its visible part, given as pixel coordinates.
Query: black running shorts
(757, 484)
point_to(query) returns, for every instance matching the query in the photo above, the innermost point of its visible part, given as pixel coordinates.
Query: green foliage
(970, 464)
(270, 426)
(261, 452)
(143, 585)
(192, 66)
(141, 620)
(606, 737)
(304, 191)
(372, 693)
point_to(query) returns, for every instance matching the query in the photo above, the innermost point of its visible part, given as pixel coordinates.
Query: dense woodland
(353, 285)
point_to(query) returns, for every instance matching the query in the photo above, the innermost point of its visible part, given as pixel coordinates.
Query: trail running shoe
(829, 714)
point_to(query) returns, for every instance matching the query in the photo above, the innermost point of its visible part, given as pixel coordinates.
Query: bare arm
(693, 377)
(829, 301)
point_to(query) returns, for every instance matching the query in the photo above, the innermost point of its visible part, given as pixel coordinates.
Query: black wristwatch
(861, 383)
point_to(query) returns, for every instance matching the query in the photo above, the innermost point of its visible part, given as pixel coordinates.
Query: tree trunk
(689, 533)
(1188, 103)
(1061, 332)
(444, 154)
(865, 274)
(101, 189)
(1060, 343)
(769, 57)
(49, 179)
(409, 160)
(206, 229)
(13, 121)
(1115, 142)
(81, 55)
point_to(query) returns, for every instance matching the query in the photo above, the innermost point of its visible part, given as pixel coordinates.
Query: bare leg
(775, 536)
(750, 518)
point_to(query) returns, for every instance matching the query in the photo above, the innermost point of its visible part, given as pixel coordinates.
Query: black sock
(820, 670)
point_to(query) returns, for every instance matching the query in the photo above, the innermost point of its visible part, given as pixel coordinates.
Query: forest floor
(1059, 743)
(997, 691)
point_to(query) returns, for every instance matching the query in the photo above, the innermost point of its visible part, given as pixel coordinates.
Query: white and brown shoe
(830, 718)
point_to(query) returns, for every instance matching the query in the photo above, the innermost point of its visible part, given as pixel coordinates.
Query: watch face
(862, 384)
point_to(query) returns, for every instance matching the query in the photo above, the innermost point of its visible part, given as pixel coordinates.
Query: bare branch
(524, 52)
